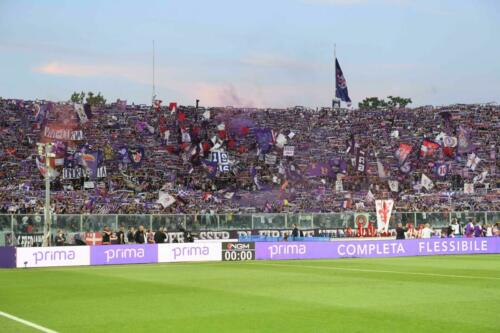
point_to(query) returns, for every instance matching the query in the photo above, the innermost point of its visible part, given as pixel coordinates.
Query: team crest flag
(442, 169)
(136, 155)
(402, 153)
(384, 211)
(361, 220)
(211, 168)
(428, 148)
(340, 84)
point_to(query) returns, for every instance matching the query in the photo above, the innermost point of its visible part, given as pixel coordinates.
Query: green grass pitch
(412, 294)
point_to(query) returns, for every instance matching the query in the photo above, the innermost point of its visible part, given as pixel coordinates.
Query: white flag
(81, 113)
(393, 185)
(380, 170)
(384, 211)
(369, 196)
(281, 141)
(468, 188)
(338, 186)
(481, 177)
(472, 161)
(165, 199)
(186, 138)
(426, 182)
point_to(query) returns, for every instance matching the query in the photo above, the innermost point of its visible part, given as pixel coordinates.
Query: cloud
(133, 73)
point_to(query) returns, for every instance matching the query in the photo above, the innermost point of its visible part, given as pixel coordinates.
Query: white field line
(378, 271)
(27, 323)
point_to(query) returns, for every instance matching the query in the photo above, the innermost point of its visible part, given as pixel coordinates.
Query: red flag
(181, 116)
(172, 106)
(403, 152)
(449, 151)
(428, 148)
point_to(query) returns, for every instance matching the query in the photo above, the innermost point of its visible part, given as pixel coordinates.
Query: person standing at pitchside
(469, 229)
(106, 236)
(400, 231)
(140, 235)
(120, 235)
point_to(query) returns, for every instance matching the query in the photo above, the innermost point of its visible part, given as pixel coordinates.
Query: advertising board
(123, 254)
(199, 251)
(375, 248)
(53, 256)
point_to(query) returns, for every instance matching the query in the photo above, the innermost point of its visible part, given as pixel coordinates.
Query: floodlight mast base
(47, 213)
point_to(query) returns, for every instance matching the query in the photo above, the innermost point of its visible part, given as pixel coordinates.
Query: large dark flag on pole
(340, 84)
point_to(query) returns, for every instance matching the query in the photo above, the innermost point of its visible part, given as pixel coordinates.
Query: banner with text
(375, 248)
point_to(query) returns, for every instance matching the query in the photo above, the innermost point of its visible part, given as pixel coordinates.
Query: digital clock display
(232, 251)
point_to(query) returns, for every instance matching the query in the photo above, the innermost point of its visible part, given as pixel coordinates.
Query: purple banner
(375, 248)
(7, 256)
(123, 254)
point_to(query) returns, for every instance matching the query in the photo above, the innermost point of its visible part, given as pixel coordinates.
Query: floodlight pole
(47, 213)
(154, 86)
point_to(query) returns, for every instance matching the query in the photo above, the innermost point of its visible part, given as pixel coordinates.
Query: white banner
(468, 188)
(383, 211)
(270, 159)
(190, 252)
(222, 160)
(289, 151)
(338, 186)
(53, 256)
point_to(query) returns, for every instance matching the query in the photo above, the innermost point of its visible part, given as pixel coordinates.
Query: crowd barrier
(237, 251)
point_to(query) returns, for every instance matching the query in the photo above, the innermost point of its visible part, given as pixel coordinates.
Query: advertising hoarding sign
(53, 256)
(7, 256)
(199, 251)
(375, 248)
(123, 254)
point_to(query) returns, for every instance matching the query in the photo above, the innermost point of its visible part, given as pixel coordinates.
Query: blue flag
(340, 84)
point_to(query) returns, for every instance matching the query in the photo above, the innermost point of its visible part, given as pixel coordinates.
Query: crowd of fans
(233, 160)
(142, 235)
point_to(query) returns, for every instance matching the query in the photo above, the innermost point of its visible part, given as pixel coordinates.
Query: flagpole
(335, 74)
(154, 90)
(335, 66)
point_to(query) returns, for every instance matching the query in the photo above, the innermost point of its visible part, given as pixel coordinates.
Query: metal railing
(33, 223)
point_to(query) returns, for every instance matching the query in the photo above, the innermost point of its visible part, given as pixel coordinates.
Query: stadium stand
(176, 160)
